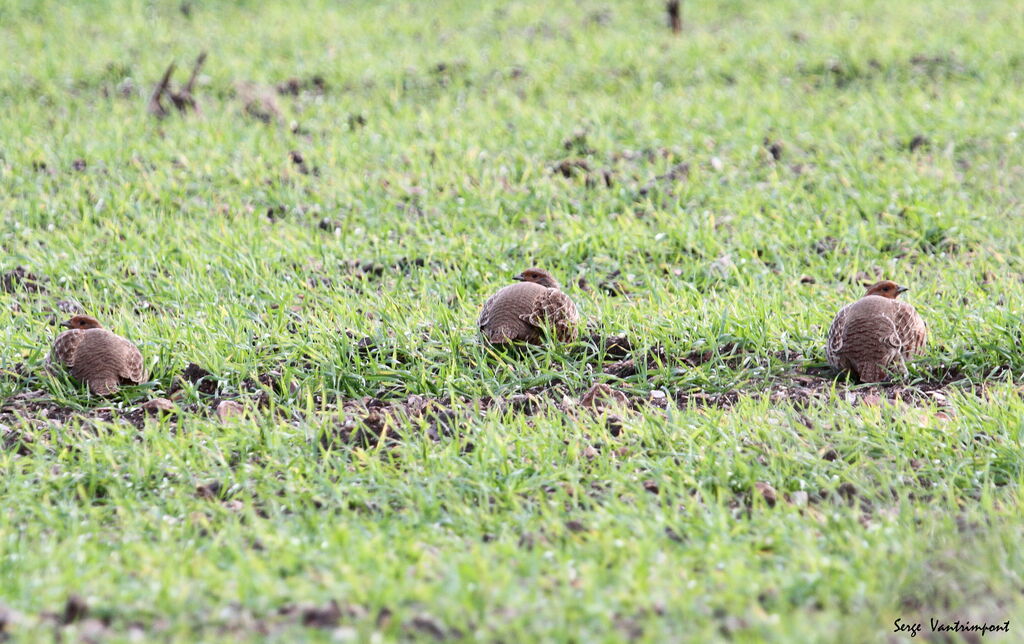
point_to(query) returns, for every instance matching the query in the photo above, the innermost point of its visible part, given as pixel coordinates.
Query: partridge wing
(558, 310)
(910, 327)
(64, 349)
(132, 367)
(836, 337)
(502, 317)
(486, 315)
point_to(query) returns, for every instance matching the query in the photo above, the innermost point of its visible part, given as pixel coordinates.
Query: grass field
(317, 240)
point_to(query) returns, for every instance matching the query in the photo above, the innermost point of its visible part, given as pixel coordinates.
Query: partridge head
(886, 289)
(538, 276)
(520, 312)
(94, 355)
(82, 322)
(875, 332)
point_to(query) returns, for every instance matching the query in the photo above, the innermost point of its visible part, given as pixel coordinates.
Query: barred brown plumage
(519, 312)
(869, 335)
(101, 359)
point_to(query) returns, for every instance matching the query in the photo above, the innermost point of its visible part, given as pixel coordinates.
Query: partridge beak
(518, 278)
(901, 289)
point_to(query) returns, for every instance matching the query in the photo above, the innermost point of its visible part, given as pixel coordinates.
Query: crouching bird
(93, 355)
(874, 332)
(520, 312)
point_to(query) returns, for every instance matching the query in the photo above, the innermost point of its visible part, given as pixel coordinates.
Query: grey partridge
(520, 312)
(101, 359)
(872, 333)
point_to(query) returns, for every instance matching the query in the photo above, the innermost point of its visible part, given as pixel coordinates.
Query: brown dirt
(205, 382)
(36, 404)
(917, 142)
(372, 421)
(20, 279)
(77, 620)
(300, 164)
(615, 346)
(774, 148)
(572, 167)
(315, 85)
(75, 609)
(628, 367)
(601, 397)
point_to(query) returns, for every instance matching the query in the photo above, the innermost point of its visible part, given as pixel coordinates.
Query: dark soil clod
(203, 380)
(300, 164)
(21, 279)
(209, 490)
(575, 526)
(329, 225)
(675, 15)
(829, 454)
(600, 397)
(826, 245)
(767, 492)
(774, 148)
(847, 490)
(75, 609)
(296, 86)
(327, 616)
(622, 368)
(919, 141)
(428, 625)
(614, 425)
(570, 167)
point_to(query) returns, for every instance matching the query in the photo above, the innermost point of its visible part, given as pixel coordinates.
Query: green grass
(430, 178)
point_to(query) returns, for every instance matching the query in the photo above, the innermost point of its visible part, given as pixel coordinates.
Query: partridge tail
(499, 334)
(103, 386)
(871, 372)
